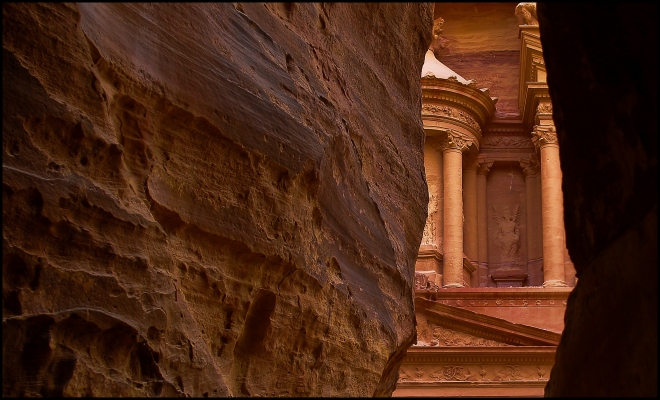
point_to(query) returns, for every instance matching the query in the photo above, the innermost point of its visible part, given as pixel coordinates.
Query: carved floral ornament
(530, 166)
(475, 373)
(544, 108)
(454, 140)
(483, 165)
(453, 113)
(543, 135)
(506, 142)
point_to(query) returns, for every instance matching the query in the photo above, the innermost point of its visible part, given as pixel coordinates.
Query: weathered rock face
(210, 199)
(480, 41)
(602, 75)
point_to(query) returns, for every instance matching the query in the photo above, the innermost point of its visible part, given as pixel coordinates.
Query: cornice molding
(477, 102)
(557, 295)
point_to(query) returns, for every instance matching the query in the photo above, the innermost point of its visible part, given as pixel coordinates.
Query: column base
(453, 285)
(555, 283)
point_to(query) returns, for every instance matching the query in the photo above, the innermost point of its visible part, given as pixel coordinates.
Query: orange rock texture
(492, 59)
(603, 83)
(210, 199)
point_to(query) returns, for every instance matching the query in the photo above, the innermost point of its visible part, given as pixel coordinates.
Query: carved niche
(507, 234)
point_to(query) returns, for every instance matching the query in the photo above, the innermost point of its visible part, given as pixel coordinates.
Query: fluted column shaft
(552, 206)
(452, 167)
(453, 214)
(470, 228)
(531, 170)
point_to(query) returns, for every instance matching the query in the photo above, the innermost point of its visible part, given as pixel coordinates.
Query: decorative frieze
(465, 372)
(504, 303)
(452, 112)
(507, 142)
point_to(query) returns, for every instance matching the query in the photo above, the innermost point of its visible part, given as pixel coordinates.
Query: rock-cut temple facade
(492, 274)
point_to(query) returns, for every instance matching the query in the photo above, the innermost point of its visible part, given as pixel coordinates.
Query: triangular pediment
(436, 335)
(444, 325)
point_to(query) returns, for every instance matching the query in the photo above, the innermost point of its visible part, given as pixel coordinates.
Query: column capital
(544, 135)
(530, 166)
(544, 107)
(470, 162)
(484, 165)
(455, 141)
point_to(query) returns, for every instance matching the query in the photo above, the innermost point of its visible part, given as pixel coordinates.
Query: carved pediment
(441, 336)
(461, 327)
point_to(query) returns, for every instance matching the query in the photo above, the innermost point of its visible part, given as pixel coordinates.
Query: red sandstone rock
(210, 199)
(491, 59)
(603, 84)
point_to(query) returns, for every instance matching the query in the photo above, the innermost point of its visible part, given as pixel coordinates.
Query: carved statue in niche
(429, 236)
(438, 43)
(437, 27)
(507, 234)
(526, 13)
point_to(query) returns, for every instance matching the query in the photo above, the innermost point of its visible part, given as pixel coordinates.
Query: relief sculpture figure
(507, 235)
(429, 235)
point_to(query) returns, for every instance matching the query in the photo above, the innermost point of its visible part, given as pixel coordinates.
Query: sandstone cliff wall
(602, 65)
(210, 199)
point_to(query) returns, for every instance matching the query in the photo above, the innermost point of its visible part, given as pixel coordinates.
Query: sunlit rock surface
(210, 199)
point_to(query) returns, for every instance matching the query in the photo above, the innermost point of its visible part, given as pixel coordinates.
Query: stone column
(482, 220)
(552, 205)
(531, 170)
(470, 228)
(452, 156)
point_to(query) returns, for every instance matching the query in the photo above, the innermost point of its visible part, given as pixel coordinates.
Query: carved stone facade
(493, 330)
